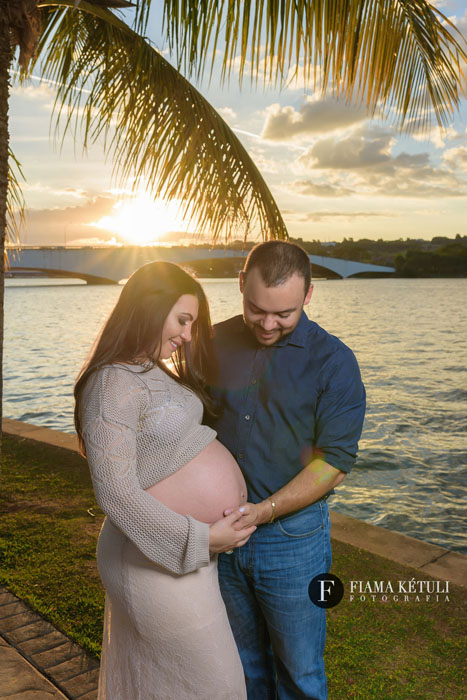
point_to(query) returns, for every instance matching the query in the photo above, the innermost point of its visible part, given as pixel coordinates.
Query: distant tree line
(412, 257)
(449, 260)
(442, 256)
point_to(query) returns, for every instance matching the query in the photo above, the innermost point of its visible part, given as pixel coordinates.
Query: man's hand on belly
(310, 484)
(253, 514)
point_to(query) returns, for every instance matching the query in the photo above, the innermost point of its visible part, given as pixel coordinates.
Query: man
(293, 406)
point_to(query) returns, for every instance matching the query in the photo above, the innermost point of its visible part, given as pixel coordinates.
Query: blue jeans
(279, 632)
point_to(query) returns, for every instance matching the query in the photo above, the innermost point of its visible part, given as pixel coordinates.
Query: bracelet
(273, 509)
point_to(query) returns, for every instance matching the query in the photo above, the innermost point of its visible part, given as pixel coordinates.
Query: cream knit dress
(166, 632)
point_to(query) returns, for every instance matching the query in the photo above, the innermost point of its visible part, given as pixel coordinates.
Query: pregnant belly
(205, 486)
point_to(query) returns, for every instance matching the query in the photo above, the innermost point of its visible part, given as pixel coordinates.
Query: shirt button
(240, 455)
(247, 417)
(253, 381)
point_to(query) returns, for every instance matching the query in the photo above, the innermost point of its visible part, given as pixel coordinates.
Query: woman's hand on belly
(226, 534)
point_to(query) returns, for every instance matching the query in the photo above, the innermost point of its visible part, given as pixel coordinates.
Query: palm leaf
(402, 56)
(154, 124)
(15, 203)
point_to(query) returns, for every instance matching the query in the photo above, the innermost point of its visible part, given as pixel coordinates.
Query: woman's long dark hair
(134, 330)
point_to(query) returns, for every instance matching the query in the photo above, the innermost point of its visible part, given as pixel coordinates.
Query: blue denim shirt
(284, 404)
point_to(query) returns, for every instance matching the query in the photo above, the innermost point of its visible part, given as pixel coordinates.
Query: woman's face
(178, 324)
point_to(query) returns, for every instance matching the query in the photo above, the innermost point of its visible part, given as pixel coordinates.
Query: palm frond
(15, 203)
(403, 56)
(143, 8)
(154, 124)
(113, 4)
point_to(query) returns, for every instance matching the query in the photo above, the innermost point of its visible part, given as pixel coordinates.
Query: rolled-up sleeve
(340, 411)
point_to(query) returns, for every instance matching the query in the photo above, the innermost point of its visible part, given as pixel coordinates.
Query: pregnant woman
(163, 481)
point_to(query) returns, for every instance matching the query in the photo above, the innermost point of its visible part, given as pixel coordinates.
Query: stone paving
(20, 680)
(37, 661)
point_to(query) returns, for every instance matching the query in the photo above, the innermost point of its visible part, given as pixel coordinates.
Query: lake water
(408, 335)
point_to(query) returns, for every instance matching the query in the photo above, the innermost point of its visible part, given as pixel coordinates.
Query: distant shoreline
(442, 257)
(234, 275)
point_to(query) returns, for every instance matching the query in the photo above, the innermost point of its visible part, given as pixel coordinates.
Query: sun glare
(142, 220)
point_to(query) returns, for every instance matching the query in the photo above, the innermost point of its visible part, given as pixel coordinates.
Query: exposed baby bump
(205, 486)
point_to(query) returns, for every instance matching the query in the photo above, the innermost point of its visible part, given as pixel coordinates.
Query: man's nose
(268, 323)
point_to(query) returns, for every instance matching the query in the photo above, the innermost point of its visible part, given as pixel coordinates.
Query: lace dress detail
(138, 428)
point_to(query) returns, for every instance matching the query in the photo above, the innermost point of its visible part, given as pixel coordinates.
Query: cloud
(279, 144)
(438, 137)
(249, 134)
(363, 148)
(183, 237)
(297, 79)
(315, 116)
(367, 155)
(93, 241)
(456, 158)
(37, 92)
(60, 225)
(461, 23)
(320, 189)
(260, 75)
(30, 139)
(304, 217)
(227, 113)
(265, 164)
(440, 3)
(127, 191)
(73, 192)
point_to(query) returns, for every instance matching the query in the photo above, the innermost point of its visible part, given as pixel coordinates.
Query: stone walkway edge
(47, 663)
(35, 656)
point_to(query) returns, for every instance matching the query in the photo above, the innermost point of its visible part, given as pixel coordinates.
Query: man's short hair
(277, 261)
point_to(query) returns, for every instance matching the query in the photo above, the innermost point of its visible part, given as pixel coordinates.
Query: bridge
(109, 265)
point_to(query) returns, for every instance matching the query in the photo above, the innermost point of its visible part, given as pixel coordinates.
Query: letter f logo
(326, 590)
(323, 590)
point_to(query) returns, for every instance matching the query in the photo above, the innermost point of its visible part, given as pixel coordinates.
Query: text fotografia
(399, 591)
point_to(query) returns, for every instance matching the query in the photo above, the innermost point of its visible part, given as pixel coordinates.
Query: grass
(375, 650)
(394, 650)
(48, 537)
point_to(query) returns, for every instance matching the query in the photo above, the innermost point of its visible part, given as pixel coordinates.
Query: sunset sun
(142, 220)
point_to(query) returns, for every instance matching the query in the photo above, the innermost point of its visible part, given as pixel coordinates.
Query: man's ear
(241, 280)
(308, 295)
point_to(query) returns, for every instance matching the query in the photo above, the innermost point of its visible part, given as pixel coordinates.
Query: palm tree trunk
(5, 62)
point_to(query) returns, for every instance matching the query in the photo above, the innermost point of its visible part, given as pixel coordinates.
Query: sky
(334, 172)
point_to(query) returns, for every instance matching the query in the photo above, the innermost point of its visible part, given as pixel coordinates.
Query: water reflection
(409, 338)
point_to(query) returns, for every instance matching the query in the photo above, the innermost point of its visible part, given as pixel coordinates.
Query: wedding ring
(229, 551)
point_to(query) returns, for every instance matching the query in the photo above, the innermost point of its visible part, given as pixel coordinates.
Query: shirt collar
(297, 337)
